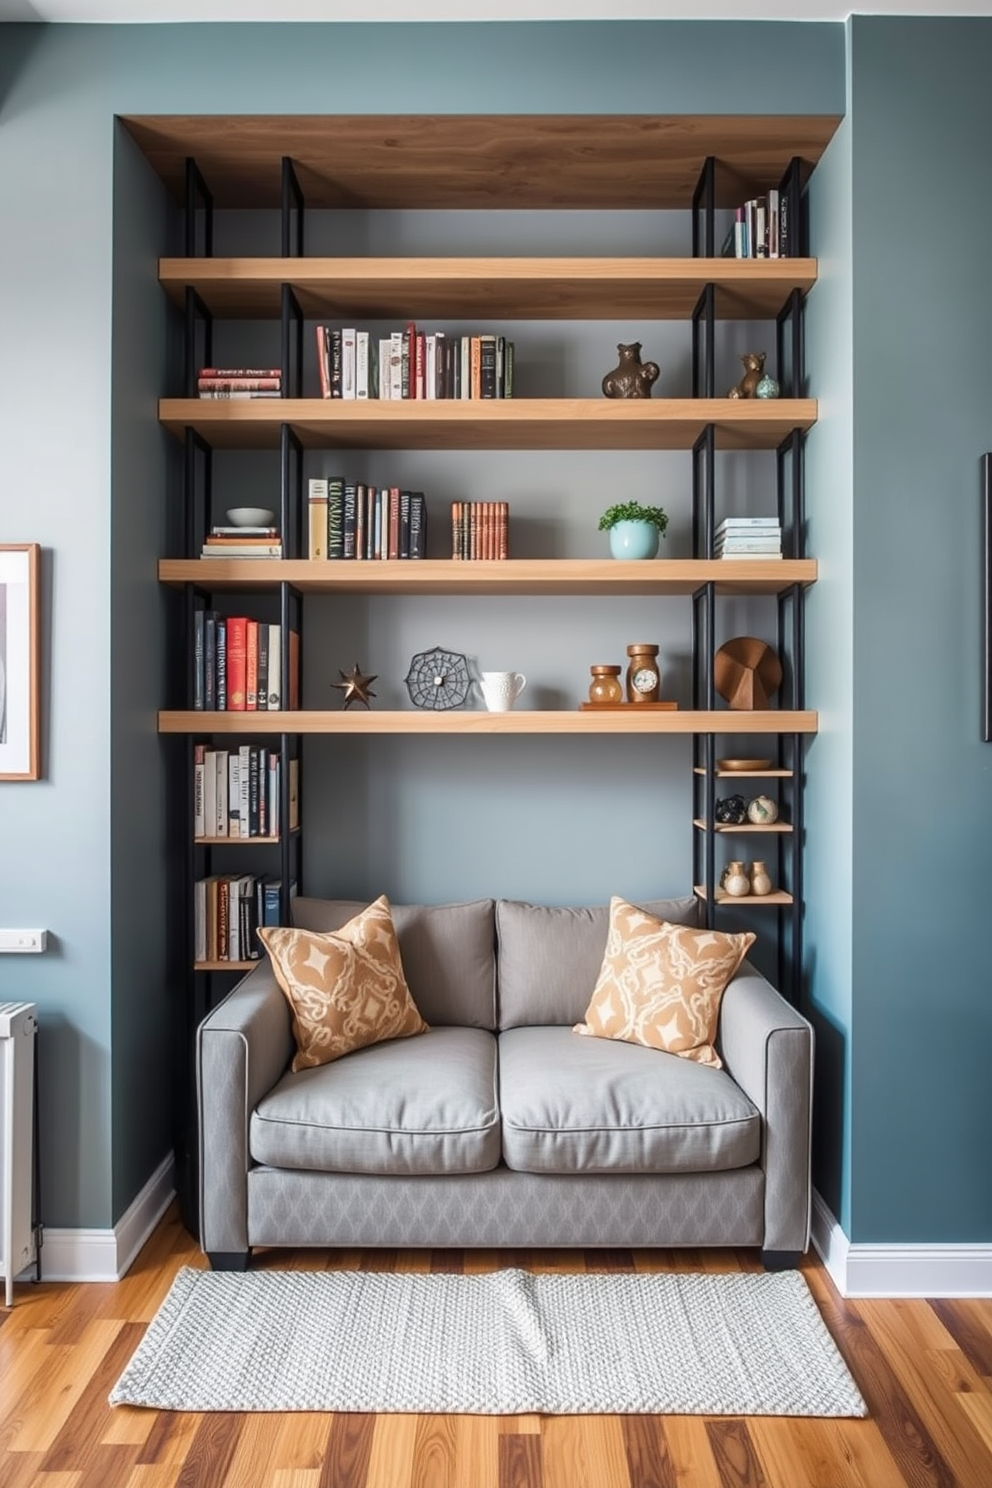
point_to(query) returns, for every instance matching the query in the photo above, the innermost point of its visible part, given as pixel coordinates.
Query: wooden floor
(925, 1369)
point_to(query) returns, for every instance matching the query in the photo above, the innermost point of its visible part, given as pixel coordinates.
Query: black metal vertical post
(291, 200)
(704, 205)
(704, 344)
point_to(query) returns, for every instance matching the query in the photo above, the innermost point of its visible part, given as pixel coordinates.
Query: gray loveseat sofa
(500, 1126)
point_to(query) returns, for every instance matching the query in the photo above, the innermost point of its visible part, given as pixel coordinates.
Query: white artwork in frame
(19, 610)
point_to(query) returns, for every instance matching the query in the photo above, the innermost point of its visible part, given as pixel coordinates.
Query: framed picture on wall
(987, 598)
(19, 611)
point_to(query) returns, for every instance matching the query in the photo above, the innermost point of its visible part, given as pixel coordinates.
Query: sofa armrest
(243, 1047)
(767, 1047)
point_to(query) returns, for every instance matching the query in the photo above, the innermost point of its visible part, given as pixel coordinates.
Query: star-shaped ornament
(356, 686)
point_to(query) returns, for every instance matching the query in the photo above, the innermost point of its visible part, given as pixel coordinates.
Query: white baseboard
(899, 1270)
(106, 1255)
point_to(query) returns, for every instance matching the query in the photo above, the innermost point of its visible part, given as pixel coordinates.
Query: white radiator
(18, 1026)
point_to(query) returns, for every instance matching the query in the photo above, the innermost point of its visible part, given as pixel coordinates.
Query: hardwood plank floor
(925, 1369)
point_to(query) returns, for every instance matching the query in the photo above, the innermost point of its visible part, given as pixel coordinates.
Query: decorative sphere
(762, 811)
(767, 388)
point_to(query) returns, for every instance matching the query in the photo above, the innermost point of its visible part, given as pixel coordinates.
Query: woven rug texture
(503, 1343)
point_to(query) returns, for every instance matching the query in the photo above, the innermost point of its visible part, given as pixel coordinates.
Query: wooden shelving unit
(462, 721)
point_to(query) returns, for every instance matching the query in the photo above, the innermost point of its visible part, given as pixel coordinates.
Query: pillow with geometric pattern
(347, 989)
(662, 984)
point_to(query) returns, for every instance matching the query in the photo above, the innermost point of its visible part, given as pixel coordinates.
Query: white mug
(500, 690)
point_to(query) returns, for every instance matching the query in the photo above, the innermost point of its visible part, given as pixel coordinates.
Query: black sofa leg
(781, 1260)
(228, 1260)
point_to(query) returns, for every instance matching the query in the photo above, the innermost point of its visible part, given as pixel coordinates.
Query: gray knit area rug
(504, 1343)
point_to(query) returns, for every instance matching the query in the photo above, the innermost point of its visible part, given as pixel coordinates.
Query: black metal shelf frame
(790, 634)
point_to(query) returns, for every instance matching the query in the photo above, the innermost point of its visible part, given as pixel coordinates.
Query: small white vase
(735, 880)
(761, 884)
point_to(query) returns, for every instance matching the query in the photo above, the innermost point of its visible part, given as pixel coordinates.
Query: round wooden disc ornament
(746, 672)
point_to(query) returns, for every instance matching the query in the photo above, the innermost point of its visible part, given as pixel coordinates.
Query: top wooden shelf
(492, 288)
(431, 162)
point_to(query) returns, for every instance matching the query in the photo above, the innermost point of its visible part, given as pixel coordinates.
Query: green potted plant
(634, 529)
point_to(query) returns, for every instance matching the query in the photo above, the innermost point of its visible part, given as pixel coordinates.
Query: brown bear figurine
(631, 378)
(754, 371)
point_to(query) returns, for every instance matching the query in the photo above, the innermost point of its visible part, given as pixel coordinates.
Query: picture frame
(19, 669)
(987, 598)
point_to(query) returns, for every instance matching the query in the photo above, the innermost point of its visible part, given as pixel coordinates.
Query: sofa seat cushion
(423, 1105)
(581, 1105)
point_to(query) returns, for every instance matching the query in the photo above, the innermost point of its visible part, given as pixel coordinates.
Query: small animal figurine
(631, 378)
(754, 371)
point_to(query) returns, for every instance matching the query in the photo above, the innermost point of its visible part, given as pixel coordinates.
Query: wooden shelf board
(435, 161)
(744, 774)
(492, 289)
(511, 576)
(747, 827)
(778, 896)
(463, 721)
(225, 965)
(237, 841)
(512, 423)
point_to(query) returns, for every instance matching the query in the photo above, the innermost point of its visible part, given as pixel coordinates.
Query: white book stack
(749, 537)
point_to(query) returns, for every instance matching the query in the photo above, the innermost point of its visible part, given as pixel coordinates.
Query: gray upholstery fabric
(767, 1047)
(426, 1104)
(506, 1209)
(549, 958)
(448, 954)
(243, 1046)
(572, 1104)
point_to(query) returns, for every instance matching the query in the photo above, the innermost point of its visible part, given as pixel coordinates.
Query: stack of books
(242, 542)
(227, 911)
(239, 382)
(237, 664)
(749, 537)
(479, 529)
(760, 228)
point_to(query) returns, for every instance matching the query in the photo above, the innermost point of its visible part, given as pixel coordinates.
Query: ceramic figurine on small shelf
(767, 387)
(631, 378)
(356, 686)
(731, 811)
(761, 884)
(762, 811)
(735, 881)
(754, 371)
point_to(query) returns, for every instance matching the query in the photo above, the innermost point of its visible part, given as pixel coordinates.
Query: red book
(421, 367)
(236, 662)
(251, 665)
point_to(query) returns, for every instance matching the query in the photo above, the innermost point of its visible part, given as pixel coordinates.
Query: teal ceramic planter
(634, 540)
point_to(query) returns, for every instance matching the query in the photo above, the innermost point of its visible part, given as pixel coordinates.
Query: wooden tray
(623, 707)
(734, 765)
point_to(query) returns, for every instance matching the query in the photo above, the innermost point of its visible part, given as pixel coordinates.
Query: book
(361, 364)
(349, 530)
(216, 384)
(250, 549)
(487, 366)
(221, 700)
(237, 654)
(244, 773)
(210, 659)
(220, 793)
(335, 516)
(317, 497)
(234, 818)
(262, 691)
(241, 533)
(220, 391)
(770, 544)
(275, 668)
(336, 359)
(199, 819)
(251, 665)
(748, 524)
(348, 361)
(323, 362)
(418, 525)
(198, 676)
(767, 556)
(240, 372)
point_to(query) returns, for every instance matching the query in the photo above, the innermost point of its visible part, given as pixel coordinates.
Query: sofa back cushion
(550, 958)
(447, 950)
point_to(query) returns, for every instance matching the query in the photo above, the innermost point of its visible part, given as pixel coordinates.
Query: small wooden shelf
(493, 289)
(748, 827)
(225, 965)
(513, 576)
(463, 721)
(778, 896)
(745, 774)
(494, 423)
(237, 841)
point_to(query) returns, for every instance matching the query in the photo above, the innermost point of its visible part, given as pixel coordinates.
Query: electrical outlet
(24, 941)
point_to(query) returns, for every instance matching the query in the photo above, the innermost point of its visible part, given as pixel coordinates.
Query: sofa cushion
(573, 1105)
(347, 989)
(424, 1105)
(448, 953)
(661, 984)
(549, 958)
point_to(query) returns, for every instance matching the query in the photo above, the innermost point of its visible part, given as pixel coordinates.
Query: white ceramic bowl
(251, 516)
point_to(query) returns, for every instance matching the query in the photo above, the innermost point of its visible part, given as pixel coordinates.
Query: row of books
(412, 364)
(227, 911)
(239, 382)
(237, 664)
(242, 542)
(353, 519)
(236, 791)
(748, 537)
(480, 529)
(760, 228)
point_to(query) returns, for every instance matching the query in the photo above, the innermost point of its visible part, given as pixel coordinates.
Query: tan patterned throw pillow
(346, 989)
(661, 984)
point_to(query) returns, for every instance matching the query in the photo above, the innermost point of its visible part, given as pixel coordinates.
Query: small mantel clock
(643, 676)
